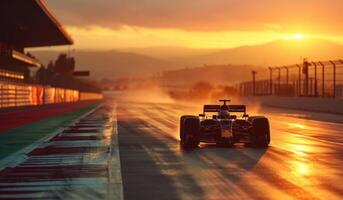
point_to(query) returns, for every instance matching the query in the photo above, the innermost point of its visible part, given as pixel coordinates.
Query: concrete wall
(326, 105)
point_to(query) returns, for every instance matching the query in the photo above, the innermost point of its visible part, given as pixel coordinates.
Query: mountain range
(142, 62)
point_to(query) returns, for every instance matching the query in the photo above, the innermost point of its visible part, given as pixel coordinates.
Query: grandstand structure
(26, 24)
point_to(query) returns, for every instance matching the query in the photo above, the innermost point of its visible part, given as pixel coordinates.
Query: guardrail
(16, 94)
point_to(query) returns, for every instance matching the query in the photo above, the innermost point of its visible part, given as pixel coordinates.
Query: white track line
(115, 186)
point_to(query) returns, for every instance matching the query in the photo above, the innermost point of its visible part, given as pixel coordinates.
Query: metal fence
(310, 79)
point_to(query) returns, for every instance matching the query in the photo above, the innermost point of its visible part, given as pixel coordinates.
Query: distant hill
(216, 74)
(113, 64)
(168, 52)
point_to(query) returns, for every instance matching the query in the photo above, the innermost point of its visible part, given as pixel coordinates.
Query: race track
(304, 159)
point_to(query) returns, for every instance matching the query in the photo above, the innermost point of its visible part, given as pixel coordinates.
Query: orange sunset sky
(108, 24)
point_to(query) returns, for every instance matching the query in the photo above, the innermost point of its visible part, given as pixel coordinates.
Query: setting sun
(297, 36)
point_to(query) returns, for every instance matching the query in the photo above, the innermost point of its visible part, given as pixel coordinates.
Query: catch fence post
(287, 74)
(271, 80)
(299, 80)
(254, 82)
(334, 79)
(279, 77)
(323, 79)
(315, 79)
(306, 66)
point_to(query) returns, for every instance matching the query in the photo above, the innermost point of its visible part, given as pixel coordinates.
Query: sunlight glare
(303, 168)
(297, 36)
(297, 125)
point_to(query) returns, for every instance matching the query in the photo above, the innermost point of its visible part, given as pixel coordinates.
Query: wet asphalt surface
(130, 150)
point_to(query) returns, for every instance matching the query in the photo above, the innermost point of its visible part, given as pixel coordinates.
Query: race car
(217, 124)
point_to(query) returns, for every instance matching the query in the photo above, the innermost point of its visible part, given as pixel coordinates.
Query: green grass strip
(13, 140)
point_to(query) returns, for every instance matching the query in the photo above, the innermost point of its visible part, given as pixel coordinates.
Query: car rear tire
(182, 119)
(260, 132)
(189, 131)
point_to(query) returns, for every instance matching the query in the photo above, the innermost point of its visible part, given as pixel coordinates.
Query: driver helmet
(224, 114)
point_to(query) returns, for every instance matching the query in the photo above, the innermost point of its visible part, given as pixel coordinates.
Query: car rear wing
(237, 108)
(232, 108)
(211, 108)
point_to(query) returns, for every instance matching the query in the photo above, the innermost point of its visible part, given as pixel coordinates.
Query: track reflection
(302, 162)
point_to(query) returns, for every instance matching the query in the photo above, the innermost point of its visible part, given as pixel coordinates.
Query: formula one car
(223, 128)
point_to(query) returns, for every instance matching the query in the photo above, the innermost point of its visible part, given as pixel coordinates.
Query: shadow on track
(243, 158)
(150, 168)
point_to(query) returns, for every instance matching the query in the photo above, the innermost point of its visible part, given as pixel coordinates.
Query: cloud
(203, 15)
(105, 38)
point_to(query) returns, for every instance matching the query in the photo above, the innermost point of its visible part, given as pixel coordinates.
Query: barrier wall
(89, 96)
(14, 95)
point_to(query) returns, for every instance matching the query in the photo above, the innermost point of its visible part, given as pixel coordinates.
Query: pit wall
(326, 105)
(16, 95)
